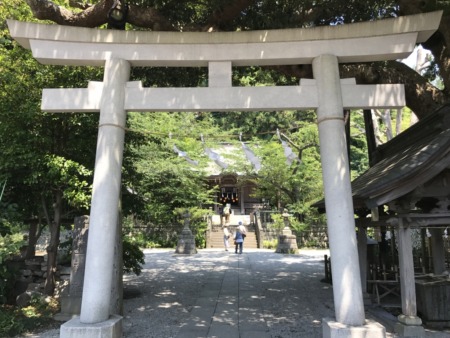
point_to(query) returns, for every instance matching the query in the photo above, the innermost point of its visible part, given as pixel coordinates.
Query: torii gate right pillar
(348, 300)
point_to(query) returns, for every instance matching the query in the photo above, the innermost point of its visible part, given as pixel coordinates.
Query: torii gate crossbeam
(323, 47)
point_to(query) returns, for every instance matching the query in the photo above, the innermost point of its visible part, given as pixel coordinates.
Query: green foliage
(133, 257)
(358, 144)
(294, 186)
(37, 315)
(167, 182)
(270, 244)
(71, 177)
(142, 240)
(9, 218)
(9, 323)
(297, 226)
(313, 244)
(43, 153)
(277, 223)
(10, 246)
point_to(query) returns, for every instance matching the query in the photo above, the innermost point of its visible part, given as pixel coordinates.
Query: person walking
(227, 213)
(238, 241)
(226, 236)
(242, 229)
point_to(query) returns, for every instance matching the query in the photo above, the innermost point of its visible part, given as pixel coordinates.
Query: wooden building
(408, 187)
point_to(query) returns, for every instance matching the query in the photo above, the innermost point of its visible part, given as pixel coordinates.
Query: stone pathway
(221, 294)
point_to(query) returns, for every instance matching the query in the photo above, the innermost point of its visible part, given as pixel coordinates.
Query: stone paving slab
(259, 294)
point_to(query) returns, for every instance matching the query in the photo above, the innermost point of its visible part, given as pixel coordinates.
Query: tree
(46, 156)
(162, 181)
(47, 159)
(188, 15)
(295, 185)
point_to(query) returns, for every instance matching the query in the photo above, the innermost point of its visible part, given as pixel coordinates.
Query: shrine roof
(409, 160)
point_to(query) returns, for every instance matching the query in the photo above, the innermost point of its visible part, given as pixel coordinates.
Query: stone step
(216, 240)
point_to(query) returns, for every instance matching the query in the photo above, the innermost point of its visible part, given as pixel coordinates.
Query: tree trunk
(386, 115)
(32, 239)
(52, 249)
(376, 129)
(398, 123)
(34, 233)
(369, 124)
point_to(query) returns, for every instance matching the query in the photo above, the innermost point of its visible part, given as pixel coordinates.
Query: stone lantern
(287, 242)
(186, 240)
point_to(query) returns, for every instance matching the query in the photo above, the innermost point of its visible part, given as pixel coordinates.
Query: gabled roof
(407, 161)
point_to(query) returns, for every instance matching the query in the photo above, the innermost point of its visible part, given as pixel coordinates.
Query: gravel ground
(293, 300)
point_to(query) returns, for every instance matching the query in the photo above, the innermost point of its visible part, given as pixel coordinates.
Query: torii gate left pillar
(95, 319)
(106, 191)
(389, 39)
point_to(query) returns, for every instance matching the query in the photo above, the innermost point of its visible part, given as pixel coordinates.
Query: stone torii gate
(323, 47)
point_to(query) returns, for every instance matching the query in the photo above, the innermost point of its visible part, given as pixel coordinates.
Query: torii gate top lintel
(376, 40)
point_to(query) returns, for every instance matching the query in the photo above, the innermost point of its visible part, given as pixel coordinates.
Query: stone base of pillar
(409, 326)
(333, 329)
(70, 308)
(111, 328)
(287, 244)
(186, 243)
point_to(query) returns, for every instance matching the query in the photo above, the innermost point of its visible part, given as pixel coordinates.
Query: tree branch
(221, 16)
(97, 15)
(93, 16)
(149, 18)
(300, 149)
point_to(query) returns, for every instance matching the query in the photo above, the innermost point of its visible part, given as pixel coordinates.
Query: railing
(258, 229)
(208, 231)
(262, 218)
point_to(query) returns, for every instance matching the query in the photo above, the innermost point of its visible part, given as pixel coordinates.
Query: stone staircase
(216, 237)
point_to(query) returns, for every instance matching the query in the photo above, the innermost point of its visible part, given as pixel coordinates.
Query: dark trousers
(238, 245)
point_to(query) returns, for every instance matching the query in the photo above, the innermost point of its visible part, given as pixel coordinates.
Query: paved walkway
(221, 294)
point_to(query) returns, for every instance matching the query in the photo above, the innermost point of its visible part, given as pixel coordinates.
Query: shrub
(9, 323)
(9, 246)
(133, 257)
(270, 244)
(39, 313)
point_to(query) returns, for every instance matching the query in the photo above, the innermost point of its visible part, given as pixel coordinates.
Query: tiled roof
(409, 160)
(406, 162)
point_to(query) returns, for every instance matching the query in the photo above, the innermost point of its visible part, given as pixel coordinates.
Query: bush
(10, 325)
(133, 257)
(270, 244)
(9, 246)
(38, 314)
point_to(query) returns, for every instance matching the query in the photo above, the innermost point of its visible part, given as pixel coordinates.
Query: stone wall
(32, 273)
(31, 278)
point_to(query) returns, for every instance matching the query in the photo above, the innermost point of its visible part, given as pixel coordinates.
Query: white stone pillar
(348, 301)
(105, 194)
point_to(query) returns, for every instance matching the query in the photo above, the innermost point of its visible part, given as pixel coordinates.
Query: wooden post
(407, 283)
(408, 322)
